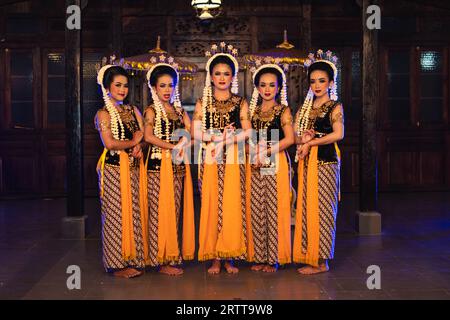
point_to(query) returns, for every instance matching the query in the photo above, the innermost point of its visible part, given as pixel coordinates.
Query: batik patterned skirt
(264, 217)
(112, 220)
(221, 175)
(153, 188)
(328, 207)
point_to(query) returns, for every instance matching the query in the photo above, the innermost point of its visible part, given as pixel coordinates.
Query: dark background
(413, 136)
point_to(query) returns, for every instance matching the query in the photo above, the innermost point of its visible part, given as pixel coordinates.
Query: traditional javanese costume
(222, 185)
(268, 201)
(123, 196)
(169, 186)
(222, 188)
(318, 180)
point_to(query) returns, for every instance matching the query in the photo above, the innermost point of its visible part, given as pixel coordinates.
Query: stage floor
(413, 254)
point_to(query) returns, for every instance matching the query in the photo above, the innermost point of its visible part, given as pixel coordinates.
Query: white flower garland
(253, 102)
(161, 111)
(302, 119)
(116, 120)
(255, 94)
(207, 99)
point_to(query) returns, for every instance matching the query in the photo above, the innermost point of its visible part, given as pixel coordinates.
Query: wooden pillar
(368, 219)
(248, 82)
(170, 30)
(75, 222)
(116, 20)
(306, 45)
(254, 33)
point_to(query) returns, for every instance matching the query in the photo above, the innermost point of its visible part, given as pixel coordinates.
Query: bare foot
(127, 273)
(257, 267)
(270, 269)
(171, 271)
(215, 267)
(310, 270)
(229, 267)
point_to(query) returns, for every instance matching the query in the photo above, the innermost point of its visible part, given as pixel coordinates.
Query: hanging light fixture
(144, 62)
(284, 53)
(207, 9)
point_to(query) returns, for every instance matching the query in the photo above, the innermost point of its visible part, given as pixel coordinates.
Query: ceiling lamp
(284, 53)
(207, 9)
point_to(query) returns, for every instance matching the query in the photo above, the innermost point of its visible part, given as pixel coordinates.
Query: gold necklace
(223, 106)
(171, 113)
(270, 109)
(267, 116)
(315, 107)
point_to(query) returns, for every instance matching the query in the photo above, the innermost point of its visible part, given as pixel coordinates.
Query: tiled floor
(413, 254)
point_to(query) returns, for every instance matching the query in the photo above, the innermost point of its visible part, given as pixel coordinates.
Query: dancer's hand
(179, 149)
(218, 150)
(304, 150)
(307, 136)
(228, 132)
(137, 136)
(136, 152)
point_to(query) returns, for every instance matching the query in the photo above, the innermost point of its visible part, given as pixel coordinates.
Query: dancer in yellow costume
(122, 178)
(319, 125)
(168, 181)
(218, 114)
(268, 194)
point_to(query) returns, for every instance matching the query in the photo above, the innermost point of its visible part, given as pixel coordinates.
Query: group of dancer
(244, 173)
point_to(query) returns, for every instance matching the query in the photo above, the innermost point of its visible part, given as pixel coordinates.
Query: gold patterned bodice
(223, 113)
(320, 120)
(269, 120)
(175, 122)
(130, 126)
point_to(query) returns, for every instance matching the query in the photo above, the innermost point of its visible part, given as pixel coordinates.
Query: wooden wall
(413, 115)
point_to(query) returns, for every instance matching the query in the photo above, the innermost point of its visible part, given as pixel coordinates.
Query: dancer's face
(320, 83)
(268, 86)
(118, 90)
(164, 88)
(222, 76)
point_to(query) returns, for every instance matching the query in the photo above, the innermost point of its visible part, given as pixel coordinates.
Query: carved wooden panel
(190, 49)
(189, 26)
(55, 174)
(198, 48)
(144, 26)
(20, 174)
(401, 169)
(431, 168)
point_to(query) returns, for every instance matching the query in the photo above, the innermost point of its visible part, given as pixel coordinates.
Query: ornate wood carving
(198, 48)
(218, 27)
